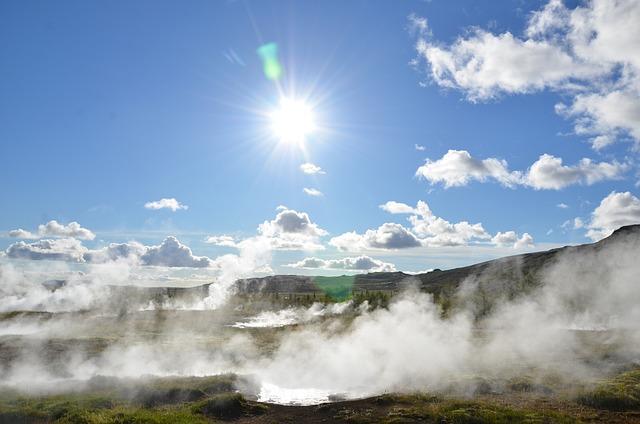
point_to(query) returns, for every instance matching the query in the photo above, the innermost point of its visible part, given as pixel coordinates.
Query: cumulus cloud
(549, 173)
(223, 240)
(605, 115)
(358, 263)
(23, 234)
(66, 249)
(485, 65)
(510, 238)
(292, 230)
(419, 147)
(55, 229)
(590, 53)
(614, 211)
(389, 236)
(170, 253)
(436, 231)
(562, 205)
(524, 241)
(459, 168)
(311, 169)
(166, 203)
(426, 230)
(314, 192)
(394, 207)
(131, 251)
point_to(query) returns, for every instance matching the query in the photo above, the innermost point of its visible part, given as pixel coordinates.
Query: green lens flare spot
(270, 63)
(337, 288)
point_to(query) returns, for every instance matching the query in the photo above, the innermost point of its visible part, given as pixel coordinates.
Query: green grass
(207, 399)
(110, 400)
(621, 393)
(82, 410)
(437, 410)
(132, 415)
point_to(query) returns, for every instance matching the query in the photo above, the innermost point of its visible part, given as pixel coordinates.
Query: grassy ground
(621, 393)
(213, 399)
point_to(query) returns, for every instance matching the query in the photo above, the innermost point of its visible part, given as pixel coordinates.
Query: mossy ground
(213, 399)
(621, 393)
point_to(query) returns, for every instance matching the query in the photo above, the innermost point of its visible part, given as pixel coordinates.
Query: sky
(391, 135)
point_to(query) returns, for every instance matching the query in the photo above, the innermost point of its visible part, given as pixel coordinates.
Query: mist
(494, 331)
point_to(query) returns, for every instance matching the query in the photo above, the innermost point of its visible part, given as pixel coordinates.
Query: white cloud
(359, 263)
(54, 229)
(426, 230)
(292, 230)
(66, 249)
(606, 115)
(510, 238)
(562, 205)
(164, 203)
(419, 147)
(504, 239)
(172, 253)
(551, 17)
(130, 251)
(23, 234)
(311, 169)
(394, 207)
(223, 240)
(548, 173)
(485, 65)
(590, 53)
(458, 168)
(389, 236)
(525, 241)
(418, 25)
(578, 223)
(614, 211)
(314, 192)
(436, 231)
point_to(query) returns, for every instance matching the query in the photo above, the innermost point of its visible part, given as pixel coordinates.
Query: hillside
(517, 269)
(520, 271)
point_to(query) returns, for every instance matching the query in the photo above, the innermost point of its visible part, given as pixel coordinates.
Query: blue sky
(108, 106)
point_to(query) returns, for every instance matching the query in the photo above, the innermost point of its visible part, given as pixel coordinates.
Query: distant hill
(522, 272)
(524, 268)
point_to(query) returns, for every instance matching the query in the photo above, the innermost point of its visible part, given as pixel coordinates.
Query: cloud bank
(590, 54)
(427, 230)
(358, 263)
(458, 168)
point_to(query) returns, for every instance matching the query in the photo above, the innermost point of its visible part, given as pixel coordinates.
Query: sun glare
(293, 121)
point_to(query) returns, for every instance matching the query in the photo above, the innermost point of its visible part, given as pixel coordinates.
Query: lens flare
(293, 121)
(270, 63)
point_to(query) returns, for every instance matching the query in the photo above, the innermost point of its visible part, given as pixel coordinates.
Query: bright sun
(293, 121)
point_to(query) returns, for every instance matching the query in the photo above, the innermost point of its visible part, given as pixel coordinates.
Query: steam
(292, 316)
(495, 330)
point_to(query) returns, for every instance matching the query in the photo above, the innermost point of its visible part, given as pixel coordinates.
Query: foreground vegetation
(214, 399)
(621, 393)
